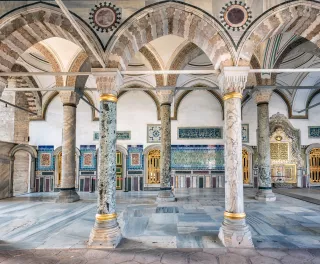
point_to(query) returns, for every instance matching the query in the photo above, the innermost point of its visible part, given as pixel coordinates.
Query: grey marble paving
(35, 221)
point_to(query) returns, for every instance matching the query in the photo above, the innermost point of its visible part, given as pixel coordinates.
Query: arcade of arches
(136, 140)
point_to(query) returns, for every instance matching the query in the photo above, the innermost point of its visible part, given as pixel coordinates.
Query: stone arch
(182, 56)
(78, 64)
(297, 17)
(34, 99)
(55, 93)
(32, 169)
(156, 63)
(52, 60)
(310, 98)
(23, 28)
(166, 18)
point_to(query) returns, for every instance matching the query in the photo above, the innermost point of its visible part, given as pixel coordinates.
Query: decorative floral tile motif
(197, 157)
(45, 160)
(154, 133)
(88, 160)
(121, 135)
(199, 132)
(314, 131)
(135, 157)
(245, 133)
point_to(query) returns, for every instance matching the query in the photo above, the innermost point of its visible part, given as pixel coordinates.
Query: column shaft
(264, 174)
(165, 194)
(233, 157)
(68, 176)
(165, 159)
(107, 161)
(106, 232)
(234, 231)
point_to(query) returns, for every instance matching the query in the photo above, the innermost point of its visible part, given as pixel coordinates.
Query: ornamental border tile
(153, 141)
(309, 134)
(248, 133)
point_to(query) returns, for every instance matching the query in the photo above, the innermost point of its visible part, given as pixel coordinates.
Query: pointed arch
(166, 18)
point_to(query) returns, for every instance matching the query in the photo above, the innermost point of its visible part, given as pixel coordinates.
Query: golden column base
(106, 232)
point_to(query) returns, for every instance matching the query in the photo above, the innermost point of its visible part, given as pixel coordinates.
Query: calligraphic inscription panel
(279, 151)
(200, 133)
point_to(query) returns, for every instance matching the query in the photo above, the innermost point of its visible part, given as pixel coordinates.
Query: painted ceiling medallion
(235, 15)
(105, 17)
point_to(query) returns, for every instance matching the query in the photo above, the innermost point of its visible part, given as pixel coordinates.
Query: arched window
(314, 163)
(154, 167)
(245, 167)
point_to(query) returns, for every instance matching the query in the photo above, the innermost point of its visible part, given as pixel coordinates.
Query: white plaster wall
(249, 114)
(136, 109)
(198, 108)
(48, 132)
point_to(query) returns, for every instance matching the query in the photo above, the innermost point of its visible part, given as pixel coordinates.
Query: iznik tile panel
(135, 157)
(199, 132)
(314, 131)
(45, 160)
(245, 133)
(88, 158)
(121, 135)
(197, 157)
(154, 133)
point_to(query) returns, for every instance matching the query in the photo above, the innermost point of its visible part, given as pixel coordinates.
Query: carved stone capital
(233, 79)
(165, 96)
(263, 95)
(69, 98)
(108, 82)
(12, 82)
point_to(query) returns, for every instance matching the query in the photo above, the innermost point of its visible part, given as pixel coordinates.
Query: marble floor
(35, 221)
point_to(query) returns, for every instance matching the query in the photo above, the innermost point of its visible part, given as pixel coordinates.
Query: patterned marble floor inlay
(35, 221)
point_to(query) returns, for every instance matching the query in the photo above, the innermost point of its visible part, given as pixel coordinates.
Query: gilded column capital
(69, 98)
(232, 81)
(165, 96)
(263, 95)
(108, 83)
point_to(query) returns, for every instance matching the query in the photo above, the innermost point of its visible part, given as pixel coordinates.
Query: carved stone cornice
(233, 79)
(165, 96)
(69, 98)
(108, 82)
(263, 95)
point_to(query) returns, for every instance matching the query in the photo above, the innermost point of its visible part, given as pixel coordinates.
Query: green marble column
(165, 194)
(262, 97)
(106, 232)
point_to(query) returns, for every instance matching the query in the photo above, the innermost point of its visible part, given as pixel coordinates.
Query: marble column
(165, 194)
(234, 231)
(262, 97)
(67, 193)
(106, 231)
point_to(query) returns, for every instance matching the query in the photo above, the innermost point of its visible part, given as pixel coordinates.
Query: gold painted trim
(106, 217)
(234, 216)
(109, 97)
(232, 95)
